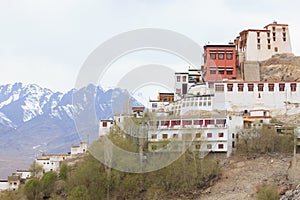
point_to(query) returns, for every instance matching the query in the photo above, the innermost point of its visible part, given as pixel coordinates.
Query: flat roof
(219, 45)
(275, 24)
(166, 93)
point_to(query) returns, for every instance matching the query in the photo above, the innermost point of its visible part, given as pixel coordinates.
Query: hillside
(240, 177)
(281, 67)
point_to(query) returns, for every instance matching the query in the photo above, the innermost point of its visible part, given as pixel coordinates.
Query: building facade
(261, 44)
(220, 62)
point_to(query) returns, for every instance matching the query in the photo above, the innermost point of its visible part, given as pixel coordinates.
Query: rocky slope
(241, 177)
(281, 67)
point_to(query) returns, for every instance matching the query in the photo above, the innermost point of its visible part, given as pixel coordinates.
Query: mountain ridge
(32, 116)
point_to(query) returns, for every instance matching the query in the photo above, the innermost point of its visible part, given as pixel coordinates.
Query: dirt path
(241, 177)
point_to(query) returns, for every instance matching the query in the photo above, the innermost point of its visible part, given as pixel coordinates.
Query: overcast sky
(47, 41)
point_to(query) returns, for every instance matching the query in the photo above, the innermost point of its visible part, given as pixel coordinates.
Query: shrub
(266, 192)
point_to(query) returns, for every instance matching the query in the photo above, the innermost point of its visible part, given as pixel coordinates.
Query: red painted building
(220, 62)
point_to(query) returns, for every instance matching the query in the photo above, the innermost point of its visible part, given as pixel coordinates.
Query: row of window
(269, 47)
(197, 98)
(221, 55)
(204, 103)
(179, 78)
(184, 122)
(221, 70)
(260, 87)
(274, 36)
(197, 146)
(187, 136)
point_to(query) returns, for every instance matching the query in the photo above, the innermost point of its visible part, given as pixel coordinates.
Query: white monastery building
(261, 44)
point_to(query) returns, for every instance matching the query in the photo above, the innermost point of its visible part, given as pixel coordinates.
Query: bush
(267, 193)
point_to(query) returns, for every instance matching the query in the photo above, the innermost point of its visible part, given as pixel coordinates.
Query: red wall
(209, 62)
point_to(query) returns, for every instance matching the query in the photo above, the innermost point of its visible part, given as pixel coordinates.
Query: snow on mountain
(21, 103)
(31, 115)
(5, 121)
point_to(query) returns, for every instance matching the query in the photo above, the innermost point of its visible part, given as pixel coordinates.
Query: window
(197, 146)
(198, 135)
(165, 123)
(229, 56)
(281, 87)
(268, 34)
(221, 135)
(284, 39)
(240, 87)
(229, 70)
(274, 34)
(232, 135)
(104, 124)
(209, 135)
(154, 136)
(250, 87)
(269, 41)
(178, 78)
(220, 146)
(212, 56)
(293, 87)
(229, 87)
(198, 122)
(219, 88)
(273, 28)
(260, 87)
(269, 46)
(209, 146)
(276, 49)
(271, 87)
(175, 135)
(212, 70)
(258, 46)
(258, 33)
(284, 34)
(221, 56)
(184, 79)
(165, 136)
(274, 39)
(220, 70)
(220, 121)
(258, 40)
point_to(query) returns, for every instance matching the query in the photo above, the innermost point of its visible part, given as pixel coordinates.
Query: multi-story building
(200, 133)
(220, 62)
(51, 162)
(261, 44)
(254, 45)
(184, 80)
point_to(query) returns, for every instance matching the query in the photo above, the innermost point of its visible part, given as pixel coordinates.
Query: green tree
(36, 170)
(32, 189)
(79, 193)
(63, 172)
(48, 183)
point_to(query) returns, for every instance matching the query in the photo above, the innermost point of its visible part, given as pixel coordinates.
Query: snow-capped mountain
(34, 116)
(21, 103)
